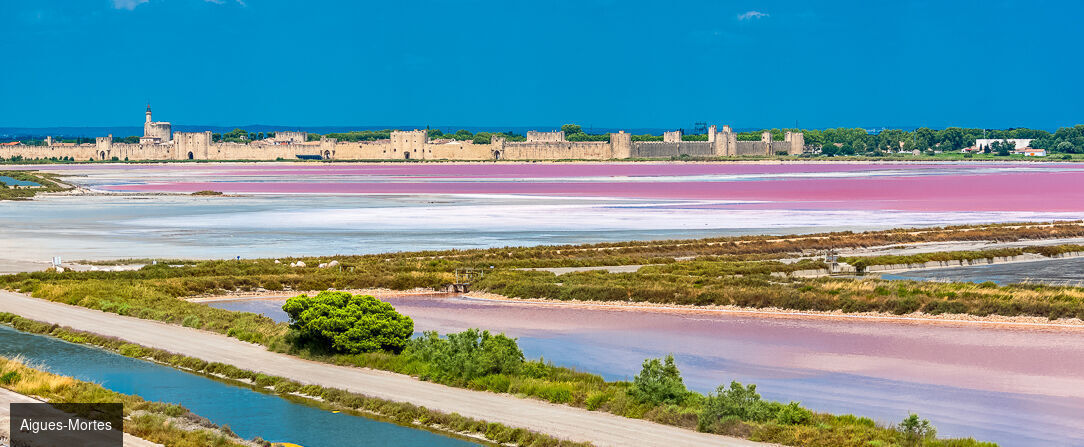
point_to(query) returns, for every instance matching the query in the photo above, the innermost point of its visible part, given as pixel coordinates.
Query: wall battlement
(159, 143)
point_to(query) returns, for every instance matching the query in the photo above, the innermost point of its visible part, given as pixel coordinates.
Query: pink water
(1039, 187)
(1018, 386)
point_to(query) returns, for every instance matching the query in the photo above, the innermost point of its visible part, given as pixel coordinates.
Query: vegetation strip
(153, 421)
(861, 262)
(45, 182)
(398, 412)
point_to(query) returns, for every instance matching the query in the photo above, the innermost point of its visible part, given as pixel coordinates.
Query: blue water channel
(15, 182)
(249, 413)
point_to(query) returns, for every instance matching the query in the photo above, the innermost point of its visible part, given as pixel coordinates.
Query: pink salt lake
(903, 186)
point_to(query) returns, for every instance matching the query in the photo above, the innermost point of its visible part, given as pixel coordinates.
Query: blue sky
(604, 63)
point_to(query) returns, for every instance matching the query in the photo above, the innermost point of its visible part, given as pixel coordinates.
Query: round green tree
(347, 323)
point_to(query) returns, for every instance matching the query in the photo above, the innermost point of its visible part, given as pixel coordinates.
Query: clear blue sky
(606, 63)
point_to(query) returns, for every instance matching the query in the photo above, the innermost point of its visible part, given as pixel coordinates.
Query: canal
(249, 413)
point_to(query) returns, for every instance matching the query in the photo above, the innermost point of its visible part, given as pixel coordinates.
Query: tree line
(857, 141)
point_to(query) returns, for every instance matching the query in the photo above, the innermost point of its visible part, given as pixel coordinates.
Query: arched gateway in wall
(191, 156)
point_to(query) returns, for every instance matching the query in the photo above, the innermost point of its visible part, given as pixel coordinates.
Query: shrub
(659, 382)
(737, 402)
(9, 378)
(191, 321)
(466, 355)
(793, 414)
(343, 322)
(915, 431)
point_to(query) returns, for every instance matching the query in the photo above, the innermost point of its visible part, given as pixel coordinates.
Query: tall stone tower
(155, 133)
(620, 145)
(725, 141)
(796, 142)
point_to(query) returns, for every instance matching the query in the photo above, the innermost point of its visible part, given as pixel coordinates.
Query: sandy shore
(282, 294)
(992, 321)
(995, 321)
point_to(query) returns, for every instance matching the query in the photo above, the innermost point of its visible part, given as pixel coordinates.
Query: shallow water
(1015, 387)
(1062, 272)
(287, 209)
(247, 412)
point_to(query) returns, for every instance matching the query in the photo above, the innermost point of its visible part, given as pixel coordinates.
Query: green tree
(462, 135)
(951, 139)
(923, 138)
(829, 149)
(1003, 147)
(570, 129)
(857, 147)
(482, 138)
(889, 140)
(343, 322)
(659, 382)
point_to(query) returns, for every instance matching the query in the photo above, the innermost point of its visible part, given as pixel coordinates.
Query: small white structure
(1029, 152)
(1019, 143)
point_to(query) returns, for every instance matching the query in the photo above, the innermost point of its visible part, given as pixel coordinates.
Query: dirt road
(557, 420)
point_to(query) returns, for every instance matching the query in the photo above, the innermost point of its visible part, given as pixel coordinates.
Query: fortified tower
(406, 143)
(621, 145)
(725, 142)
(155, 133)
(796, 142)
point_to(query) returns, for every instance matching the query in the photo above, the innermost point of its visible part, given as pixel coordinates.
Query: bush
(659, 382)
(737, 402)
(915, 431)
(793, 414)
(465, 356)
(9, 378)
(347, 323)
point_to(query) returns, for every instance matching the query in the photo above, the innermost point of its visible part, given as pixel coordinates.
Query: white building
(1021, 143)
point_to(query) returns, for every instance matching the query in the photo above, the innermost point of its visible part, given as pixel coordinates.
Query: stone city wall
(661, 149)
(407, 145)
(751, 148)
